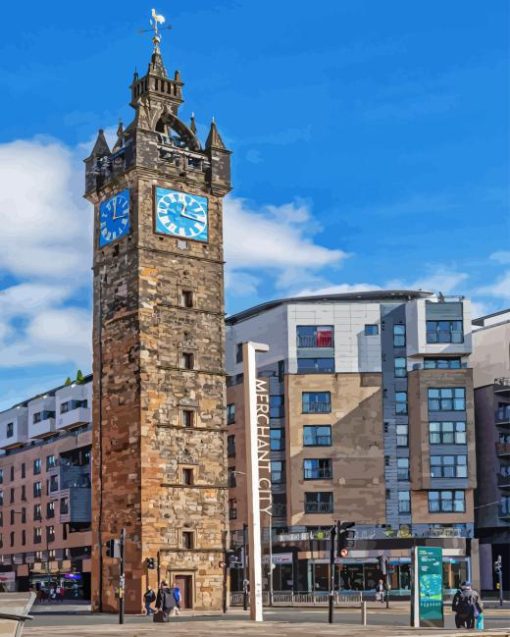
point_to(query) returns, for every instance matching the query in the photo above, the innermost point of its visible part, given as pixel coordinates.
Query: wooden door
(185, 583)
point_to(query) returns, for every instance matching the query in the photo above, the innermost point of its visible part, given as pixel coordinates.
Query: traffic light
(110, 548)
(345, 538)
(150, 563)
(498, 565)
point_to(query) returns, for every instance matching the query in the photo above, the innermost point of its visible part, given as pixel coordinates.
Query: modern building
(372, 421)
(159, 468)
(491, 368)
(45, 492)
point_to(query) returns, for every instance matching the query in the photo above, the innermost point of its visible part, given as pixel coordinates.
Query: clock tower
(159, 457)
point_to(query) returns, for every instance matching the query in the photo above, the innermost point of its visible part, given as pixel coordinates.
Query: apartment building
(45, 494)
(491, 368)
(372, 421)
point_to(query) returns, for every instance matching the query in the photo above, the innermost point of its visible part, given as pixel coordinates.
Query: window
(187, 360)
(23, 470)
(1, 541)
(279, 505)
(447, 399)
(232, 482)
(188, 540)
(1, 498)
(371, 330)
(50, 509)
(317, 436)
(53, 483)
(404, 502)
(1, 518)
(232, 509)
(277, 471)
(316, 402)
(401, 402)
(1, 476)
(317, 469)
(64, 407)
(51, 462)
(43, 415)
(23, 537)
(442, 363)
(12, 538)
(231, 413)
(319, 502)
(448, 466)
(64, 506)
(402, 468)
(23, 515)
(276, 406)
(315, 365)
(187, 476)
(315, 336)
(504, 506)
(277, 439)
(37, 535)
(12, 474)
(23, 493)
(37, 512)
(445, 332)
(239, 353)
(188, 418)
(37, 489)
(37, 466)
(13, 513)
(446, 502)
(10, 429)
(50, 533)
(399, 336)
(402, 435)
(12, 496)
(281, 371)
(186, 298)
(400, 367)
(231, 446)
(447, 433)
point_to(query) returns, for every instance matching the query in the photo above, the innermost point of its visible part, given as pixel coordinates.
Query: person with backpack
(165, 603)
(466, 606)
(149, 598)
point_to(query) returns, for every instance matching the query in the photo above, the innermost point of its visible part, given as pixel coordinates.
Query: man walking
(466, 606)
(165, 603)
(149, 598)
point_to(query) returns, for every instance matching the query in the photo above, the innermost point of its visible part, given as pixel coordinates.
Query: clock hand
(191, 215)
(114, 209)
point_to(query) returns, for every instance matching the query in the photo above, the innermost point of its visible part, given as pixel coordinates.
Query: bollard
(363, 613)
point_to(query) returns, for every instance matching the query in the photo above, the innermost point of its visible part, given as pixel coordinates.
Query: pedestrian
(379, 591)
(165, 603)
(176, 592)
(466, 606)
(149, 598)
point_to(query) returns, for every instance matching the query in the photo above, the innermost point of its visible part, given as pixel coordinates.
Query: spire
(120, 136)
(214, 138)
(101, 147)
(156, 65)
(192, 124)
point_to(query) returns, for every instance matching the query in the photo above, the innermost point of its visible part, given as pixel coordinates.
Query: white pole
(252, 471)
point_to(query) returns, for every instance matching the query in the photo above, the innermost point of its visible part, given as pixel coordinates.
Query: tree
(68, 381)
(79, 376)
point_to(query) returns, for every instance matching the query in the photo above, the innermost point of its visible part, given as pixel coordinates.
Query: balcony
(504, 514)
(78, 505)
(43, 428)
(503, 482)
(13, 431)
(503, 449)
(74, 418)
(502, 386)
(502, 416)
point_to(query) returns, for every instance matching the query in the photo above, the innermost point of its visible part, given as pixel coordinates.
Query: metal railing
(290, 598)
(316, 341)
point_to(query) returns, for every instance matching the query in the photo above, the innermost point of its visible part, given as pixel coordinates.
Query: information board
(428, 562)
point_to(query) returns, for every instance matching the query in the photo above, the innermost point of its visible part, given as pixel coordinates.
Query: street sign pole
(122, 578)
(245, 571)
(331, 574)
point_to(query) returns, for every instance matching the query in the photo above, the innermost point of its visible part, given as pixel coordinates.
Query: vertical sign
(256, 411)
(428, 582)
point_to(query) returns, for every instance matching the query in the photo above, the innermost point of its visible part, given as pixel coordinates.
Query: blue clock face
(182, 215)
(114, 218)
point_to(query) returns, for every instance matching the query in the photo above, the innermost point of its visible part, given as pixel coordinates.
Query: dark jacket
(465, 602)
(165, 599)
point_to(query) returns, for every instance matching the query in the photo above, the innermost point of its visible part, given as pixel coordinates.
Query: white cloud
(341, 288)
(502, 256)
(500, 288)
(438, 279)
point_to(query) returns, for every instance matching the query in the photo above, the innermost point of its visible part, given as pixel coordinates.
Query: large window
(448, 466)
(317, 469)
(401, 402)
(277, 471)
(446, 502)
(277, 438)
(402, 435)
(10, 429)
(319, 502)
(399, 336)
(37, 489)
(445, 332)
(231, 413)
(37, 466)
(318, 402)
(315, 365)
(447, 399)
(400, 367)
(51, 462)
(442, 363)
(279, 505)
(402, 468)
(231, 446)
(371, 330)
(317, 436)
(315, 336)
(37, 512)
(404, 502)
(276, 406)
(37, 535)
(447, 433)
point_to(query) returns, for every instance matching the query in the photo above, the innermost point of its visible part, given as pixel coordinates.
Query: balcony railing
(317, 340)
(503, 481)
(503, 448)
(318, 474)
(317, 408)
(318, 507)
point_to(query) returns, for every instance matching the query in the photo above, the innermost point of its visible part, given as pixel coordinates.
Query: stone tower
(159, 457)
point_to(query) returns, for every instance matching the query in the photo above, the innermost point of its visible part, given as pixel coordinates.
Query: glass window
(319, 502)
(50, 509)
(1, 498)
(187, 360)
(442, 363)
(277, 471)
(401, 402)
(231, 446)
(317, 436)
(317, 469)
(279, 505)
(316, 365)
(400, 367)
(402, 468)
(281, 371)
(448, 466)
(277, 438)
(371, 330)
(445, 332)
(316, 402)
(315, 336)
(10, 429)
(446, 501)
(232, 509)
(188, 418)
(53, 483)
(37, 466)
(404, 502)
(37, 535)
(1, 476)
(447, 399)
(402, 435)
(399, 336)
(231, 413)
(447, 433)
(51, 462)
(276, 406)
(239, 353)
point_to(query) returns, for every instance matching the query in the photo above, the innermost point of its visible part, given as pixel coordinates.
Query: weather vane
(155, 20)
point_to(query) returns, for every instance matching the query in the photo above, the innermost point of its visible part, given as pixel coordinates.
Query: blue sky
(370, 139)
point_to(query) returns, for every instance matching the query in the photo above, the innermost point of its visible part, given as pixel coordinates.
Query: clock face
(182, 215)
(114, 218)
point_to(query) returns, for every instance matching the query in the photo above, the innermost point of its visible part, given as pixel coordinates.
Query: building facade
(45, 491)
(159, 469)
(491, 367)
(372, 421)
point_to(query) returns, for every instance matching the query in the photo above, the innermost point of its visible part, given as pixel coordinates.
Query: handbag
(160, 616)
(479, 624)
